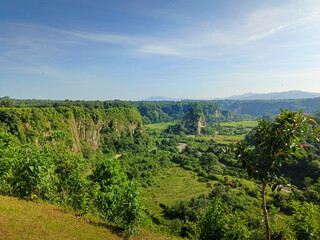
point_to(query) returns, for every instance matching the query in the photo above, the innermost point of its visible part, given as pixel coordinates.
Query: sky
(134, 49)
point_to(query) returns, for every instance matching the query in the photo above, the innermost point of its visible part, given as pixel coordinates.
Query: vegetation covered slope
(37, 220)
(151, 112)
(77, 127)
(259, 108)
(149, 182)
(193, 123)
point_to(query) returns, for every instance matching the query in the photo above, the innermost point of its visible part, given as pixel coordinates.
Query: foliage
(216, 224)
(143, 166)
(118, 198)
(273, 143)
(59, 152)
(116, 129)
(306, 221)
(258, 108)
(151, 112)
(25, 171)
(59, 175)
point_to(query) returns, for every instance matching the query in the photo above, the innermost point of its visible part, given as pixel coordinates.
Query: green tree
(273, 143)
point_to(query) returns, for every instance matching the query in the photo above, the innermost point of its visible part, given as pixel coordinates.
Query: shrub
(305, 221)
(25, 171)
(216, 224)
(118, 198)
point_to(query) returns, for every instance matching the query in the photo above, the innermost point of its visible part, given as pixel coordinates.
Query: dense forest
(259, 108)
(165, 111)
(151, 112)
(186, 169)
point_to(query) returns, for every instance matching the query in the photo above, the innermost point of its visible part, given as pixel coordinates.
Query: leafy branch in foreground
(274, 143)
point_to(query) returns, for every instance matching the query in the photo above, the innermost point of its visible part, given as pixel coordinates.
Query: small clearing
(173, 185)
(182, 146)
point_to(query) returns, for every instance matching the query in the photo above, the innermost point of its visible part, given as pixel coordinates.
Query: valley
(146, 169)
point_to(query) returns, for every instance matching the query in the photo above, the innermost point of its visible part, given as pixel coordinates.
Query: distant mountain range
(249, 96)
(161, 99)
(275, 95)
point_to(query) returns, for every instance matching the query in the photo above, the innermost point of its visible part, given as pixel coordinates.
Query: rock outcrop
(194, 121)
(74, 126)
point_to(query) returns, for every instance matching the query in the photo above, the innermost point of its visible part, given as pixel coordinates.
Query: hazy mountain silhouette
(275, 95)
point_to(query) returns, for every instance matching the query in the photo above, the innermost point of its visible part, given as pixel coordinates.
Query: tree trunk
(265, 212)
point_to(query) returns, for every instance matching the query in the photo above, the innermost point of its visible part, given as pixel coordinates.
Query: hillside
(151, 112)
(77, 127)
(257, 108)
(194, 121)
(36, 220)
(166, 177)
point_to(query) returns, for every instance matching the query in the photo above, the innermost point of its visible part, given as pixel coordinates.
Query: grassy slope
(29, 220)
(227, 139)
(173, 185)
(246, 124)
(176, 184)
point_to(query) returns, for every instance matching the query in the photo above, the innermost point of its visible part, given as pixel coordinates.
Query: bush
(216, 224)
(118, 198)
(25, 171)
(305, 221)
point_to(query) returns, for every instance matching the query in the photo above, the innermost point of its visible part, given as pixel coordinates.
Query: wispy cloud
(274, 25)
(110, 38)
(39, 42)
(159, 49)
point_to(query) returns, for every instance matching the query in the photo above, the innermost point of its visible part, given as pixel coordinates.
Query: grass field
(226, 139)
(246, 124)
(173, 185)
(31, 220)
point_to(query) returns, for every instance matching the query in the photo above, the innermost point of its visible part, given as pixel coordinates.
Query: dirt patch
(182, 146)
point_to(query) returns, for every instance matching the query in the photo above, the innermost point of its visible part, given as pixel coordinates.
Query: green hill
(258, 108)
(37, 220)
(76, 127)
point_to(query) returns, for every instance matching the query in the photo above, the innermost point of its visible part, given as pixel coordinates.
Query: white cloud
(38, 42)
(110, 38)
(160, 50)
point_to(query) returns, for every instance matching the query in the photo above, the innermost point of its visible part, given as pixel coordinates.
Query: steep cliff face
(74, 127)
(194, 121)
(201, 124)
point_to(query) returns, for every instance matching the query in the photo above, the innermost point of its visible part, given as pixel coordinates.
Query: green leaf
(284, 181)
(300, 111)
(313, 121)
(317, 129)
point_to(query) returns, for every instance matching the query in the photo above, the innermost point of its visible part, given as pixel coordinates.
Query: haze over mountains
(160, 99)
(252, 96)
(275, 95)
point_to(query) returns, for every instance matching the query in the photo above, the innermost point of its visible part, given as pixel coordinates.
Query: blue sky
(130, 50)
